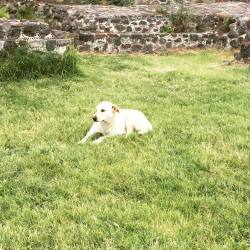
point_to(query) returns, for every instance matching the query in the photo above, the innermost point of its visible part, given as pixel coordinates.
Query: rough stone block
(162, 41)
(14, 32)
(117, 41)
(169, 45)
(129, 29)
(100, 36)
(104, 48)
(209, 42)
(126, 46)
(84, 37)
(148, 48)
(142, 23)
(194, 37)
(154, 39)
(136, 48)
(84, 47)
(107, 29)
(50, 45)
(101, 19)
(234, 43)
(120, 27)
(116, 20)
(136, 36)
(233, 34)
(125, 21)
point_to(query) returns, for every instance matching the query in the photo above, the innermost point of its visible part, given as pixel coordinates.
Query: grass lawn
(183, 186)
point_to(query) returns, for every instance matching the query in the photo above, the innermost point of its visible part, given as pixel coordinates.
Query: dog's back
(136, 120)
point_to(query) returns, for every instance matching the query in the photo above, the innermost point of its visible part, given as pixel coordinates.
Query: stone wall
(151, 43)
(166, 2)
(142, 19)
(142, 28)
(33, 35)
(68, 19)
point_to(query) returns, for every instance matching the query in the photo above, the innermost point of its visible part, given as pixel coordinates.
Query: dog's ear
(115, 108)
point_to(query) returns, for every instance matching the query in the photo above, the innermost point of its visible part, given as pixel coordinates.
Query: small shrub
(20, 63)
(25, 12)
(223, 26)
(200, 26)
(180, 20)
(4, 12)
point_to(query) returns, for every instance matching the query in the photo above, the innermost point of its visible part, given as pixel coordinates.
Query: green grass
(19, 63)
(183, 186)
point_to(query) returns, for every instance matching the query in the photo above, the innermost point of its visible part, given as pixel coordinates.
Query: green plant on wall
(168, 29)
(25, 12)
(200, 26)
(4, 12)
(223, 26)
(180, 20)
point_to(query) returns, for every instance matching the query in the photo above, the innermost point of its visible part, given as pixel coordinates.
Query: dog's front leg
(100, 139)
(93, 130)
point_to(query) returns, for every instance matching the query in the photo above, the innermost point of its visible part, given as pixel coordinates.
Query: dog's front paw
(82, 141)
(98, 141)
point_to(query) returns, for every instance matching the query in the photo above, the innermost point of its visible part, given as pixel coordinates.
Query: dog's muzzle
(94, 118)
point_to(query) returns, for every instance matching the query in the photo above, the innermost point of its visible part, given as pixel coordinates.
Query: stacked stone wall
(33, 35)
(142, 29)
(151, 43)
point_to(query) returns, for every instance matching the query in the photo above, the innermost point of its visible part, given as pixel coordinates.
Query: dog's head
(105, 112)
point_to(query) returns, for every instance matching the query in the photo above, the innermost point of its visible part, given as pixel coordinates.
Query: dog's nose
(94, 118)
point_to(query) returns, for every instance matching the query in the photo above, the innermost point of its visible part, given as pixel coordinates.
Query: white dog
(109, 120)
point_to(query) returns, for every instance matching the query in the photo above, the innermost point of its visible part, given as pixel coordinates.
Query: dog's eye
(102, 110)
